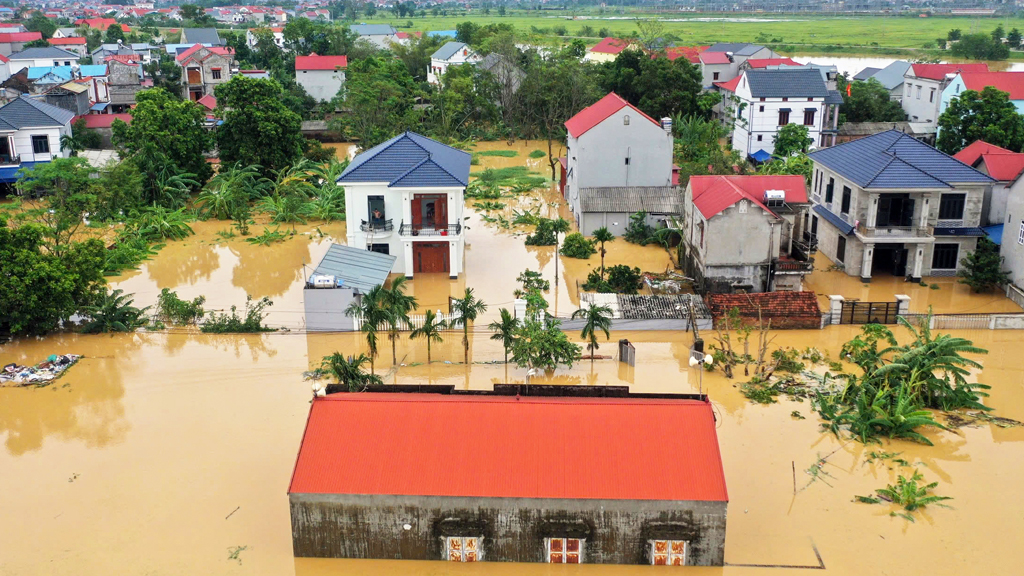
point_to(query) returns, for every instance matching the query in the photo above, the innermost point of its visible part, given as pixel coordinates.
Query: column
(408, 265)
(406, 209)
(902, 304)
(835, 307)
(925, 209)
(519, 307)
(867, 260)
(918, 263)
(454, 264)
(872, 210)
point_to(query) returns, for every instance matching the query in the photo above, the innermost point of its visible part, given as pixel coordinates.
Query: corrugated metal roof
(844, 227)
(414, 159)
(357, 268)
(510, 447)
(372, 29)
(713, 194)
(631, 199)
(610, 46)
(786, 83)
(892, 159)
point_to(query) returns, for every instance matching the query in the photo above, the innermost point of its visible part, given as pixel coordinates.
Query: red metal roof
(730, 85)
(132, 59)
(714, 58)
(766, 62)
(314, 62)
(1012, 82)
(73, 41)
(101, 23)
(510, 447)
(209, 101)
(939, 71)
(1002, 164)
(713, 194)
(595, 114)
(8, 37)
(691, 53)
(103, 120)
(610, 46)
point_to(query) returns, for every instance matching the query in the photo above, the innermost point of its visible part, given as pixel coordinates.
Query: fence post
(902, 304)
(835, 308)
(519, 307)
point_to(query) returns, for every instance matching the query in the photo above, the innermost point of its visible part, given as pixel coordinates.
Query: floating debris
(44, 372)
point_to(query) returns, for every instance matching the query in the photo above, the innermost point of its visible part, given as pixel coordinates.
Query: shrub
(576, 245)
(544, 235)
(251, 321)
(620, 279)
(501, 153)
(177, 311)
(638, 231)
(538, 154)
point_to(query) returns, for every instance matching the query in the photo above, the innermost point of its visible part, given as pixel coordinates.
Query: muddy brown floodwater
(163, 453)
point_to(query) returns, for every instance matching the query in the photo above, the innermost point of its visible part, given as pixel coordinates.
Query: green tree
(979, 47)
(868, 102)
(39, 289)
(982, 268)
(464, 311)
(602, 235)
(67, 194)
(192, 12)
(505, 330)
(370, 309)
(397, 306)
(228, 194)
(792, 139)
(416, 55)
(461, 100)
(595, 318)
(349, 371)
(38, 22)
(988, 115)
(998, 33)
(163, 126)
(541, 344)
(697, 150)
(114, 33)
(658, 86)
(380, 94)
(258, 128)
(1014, 38)
(953, 35)
(429, 331)
(113, 312)
(797, 164)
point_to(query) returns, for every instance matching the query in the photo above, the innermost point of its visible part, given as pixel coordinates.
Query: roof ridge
(409, 171)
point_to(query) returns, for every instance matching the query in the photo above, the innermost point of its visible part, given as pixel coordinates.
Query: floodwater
(851, 65)
(163, 453)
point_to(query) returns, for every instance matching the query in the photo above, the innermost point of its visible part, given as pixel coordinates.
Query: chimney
(666, 125)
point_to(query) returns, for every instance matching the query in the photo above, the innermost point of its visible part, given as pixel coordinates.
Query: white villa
(451, 54)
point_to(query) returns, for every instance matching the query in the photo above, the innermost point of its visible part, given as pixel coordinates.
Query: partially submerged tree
(602, 236)
(464, 311)
(349, 371)
(429, 331)
(982, 268)
(372, 315)
(596, 319)
(505, 330)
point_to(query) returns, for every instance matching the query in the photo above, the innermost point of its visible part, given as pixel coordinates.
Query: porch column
(868, 259)
(918, 263)
(407, 209)
(872, 210)
(925, 209)
(409, 265)
(453, 260)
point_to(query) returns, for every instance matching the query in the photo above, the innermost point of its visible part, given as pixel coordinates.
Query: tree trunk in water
(428, 351)
(551, 158)
(465, 344)
(394, 353)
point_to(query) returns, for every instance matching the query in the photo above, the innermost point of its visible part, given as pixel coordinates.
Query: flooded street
(163, 453)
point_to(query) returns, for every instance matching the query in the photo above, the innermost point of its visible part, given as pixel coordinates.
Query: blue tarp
(9, 174)
(995, 233)
(99, 106)
(761, 156)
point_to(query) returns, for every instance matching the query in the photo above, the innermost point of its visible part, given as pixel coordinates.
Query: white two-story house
(618, 161)
(405, 197)
(891, 204)
(451, 54)
(39, 56)
(322, 77)
(923, 85)
(30, 133)
(759, 103)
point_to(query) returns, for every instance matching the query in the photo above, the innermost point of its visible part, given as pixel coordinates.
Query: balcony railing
(794, 266)
(378, 226)
(893, 232)
(426, 230)
(7, 160)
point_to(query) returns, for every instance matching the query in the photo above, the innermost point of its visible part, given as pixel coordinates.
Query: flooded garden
(170, 451)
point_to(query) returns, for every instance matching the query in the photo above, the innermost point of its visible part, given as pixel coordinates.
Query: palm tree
(559, 226)
(113, 312)
(595, 318)
(397, 305)
(505, 330)
(349, 371)
(72, 143)
(431, 330)
(370, 309)
(602, 235)
(464, 311)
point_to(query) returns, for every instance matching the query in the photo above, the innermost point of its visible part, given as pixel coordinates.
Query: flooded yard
(171, 452)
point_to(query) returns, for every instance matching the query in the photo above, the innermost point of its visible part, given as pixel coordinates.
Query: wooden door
(195, 76)
(417, 212)
(430, 258)
(441, 213)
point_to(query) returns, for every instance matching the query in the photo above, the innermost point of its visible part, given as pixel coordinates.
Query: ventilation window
(565, 550)
(668, 552)
(742, 206)
(462, 548)
(625, 120)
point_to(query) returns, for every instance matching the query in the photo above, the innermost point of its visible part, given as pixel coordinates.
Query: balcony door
(430, 211)
(6, 151)
(895, 210)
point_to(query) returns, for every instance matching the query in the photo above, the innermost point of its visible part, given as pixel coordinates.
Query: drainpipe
(771, 241)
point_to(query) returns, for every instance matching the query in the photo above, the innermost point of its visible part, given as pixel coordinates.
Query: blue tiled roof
(787, 83)
(410, 160)
(834, 220)
(37, 72)
(892, 159)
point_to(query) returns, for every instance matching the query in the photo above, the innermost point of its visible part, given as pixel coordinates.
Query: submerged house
(646, 485)
(405, 197)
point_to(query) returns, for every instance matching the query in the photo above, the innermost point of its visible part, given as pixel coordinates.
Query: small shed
(342, 275)
(786, 310)
(611, 206)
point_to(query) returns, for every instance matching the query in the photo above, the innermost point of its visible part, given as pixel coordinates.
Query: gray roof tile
(202, 36)
(448, 50)
(787, 83)
(373, 29)
(47, 52)
(24, 112)
(410, 160)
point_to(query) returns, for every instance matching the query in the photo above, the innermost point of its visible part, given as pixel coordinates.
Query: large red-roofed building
(492, 476)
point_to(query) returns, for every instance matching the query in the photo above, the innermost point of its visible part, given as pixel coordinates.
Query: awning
(99, 106)
(994, 233)
(9, 174)
(785, 109)
(761, 156)
(844, 227)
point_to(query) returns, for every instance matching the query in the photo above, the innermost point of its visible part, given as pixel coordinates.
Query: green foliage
(380, 93)
(544, 235)
(792, 139)
(541, 344)
(697, 147)
(787, 360)
(429, 331)
(369, 308)
(290, 208)
(157, 223)
(227, 195)
(658, 86)
(621, 279)
(988, 115)
(250, 321)
(268, 237)
(349, 371)
(980, 47)
(466, 310)
(537, 154)
(329, 205)
(174, 310)
(910, 493)
(759, 391)
(85, 138)
(128, 251)
(416, 55)
(502, 153)
(603, 236)
(797, 164)
(509, 176)
(638, 231)
(982, 268)
(505, 330)
(113, 312)
(314, 151)
(868, 101)
(397, 305)
(596, 319)
(258, 129)
(576, 245)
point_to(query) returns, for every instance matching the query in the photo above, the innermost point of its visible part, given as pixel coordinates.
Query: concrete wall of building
(921, 98)
(325, 309)
(1012, 247)
(323, 85)
(724, 72)
(757, 122)
(615, 222)
(512, 529)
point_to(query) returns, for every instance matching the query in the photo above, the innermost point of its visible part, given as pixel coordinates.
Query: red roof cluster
(595, 114)
(757, 63)
(130, 59)
(221, 50)
(714, 58)
(771, 304)
(691, 53)
(103, 120)
(314, 62)
(1011, 82)
(939, 71)
(8, 37)
(510, 447)
(101, 23)
(73, 41)
(610, 46)
(1002, 164)
(713, 194)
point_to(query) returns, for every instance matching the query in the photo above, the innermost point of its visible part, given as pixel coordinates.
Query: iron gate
(868, 312)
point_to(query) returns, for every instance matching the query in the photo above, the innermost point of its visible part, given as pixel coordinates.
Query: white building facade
(451, 54)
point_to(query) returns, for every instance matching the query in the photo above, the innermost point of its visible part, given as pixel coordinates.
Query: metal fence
(854, 312)
(417, 321)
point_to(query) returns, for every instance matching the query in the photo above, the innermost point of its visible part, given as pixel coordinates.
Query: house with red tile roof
(744, 233)
(322, 77)
(645, 486)
(763, 63)
(12, 42)
(1010, 82)
(618, 160)
(101, 24)
(691, 53)
(204, 68)
(1005, 166)
(607, 49)
(923, 85)
(75, 45)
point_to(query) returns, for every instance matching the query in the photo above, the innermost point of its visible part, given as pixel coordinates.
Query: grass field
(805, 34)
